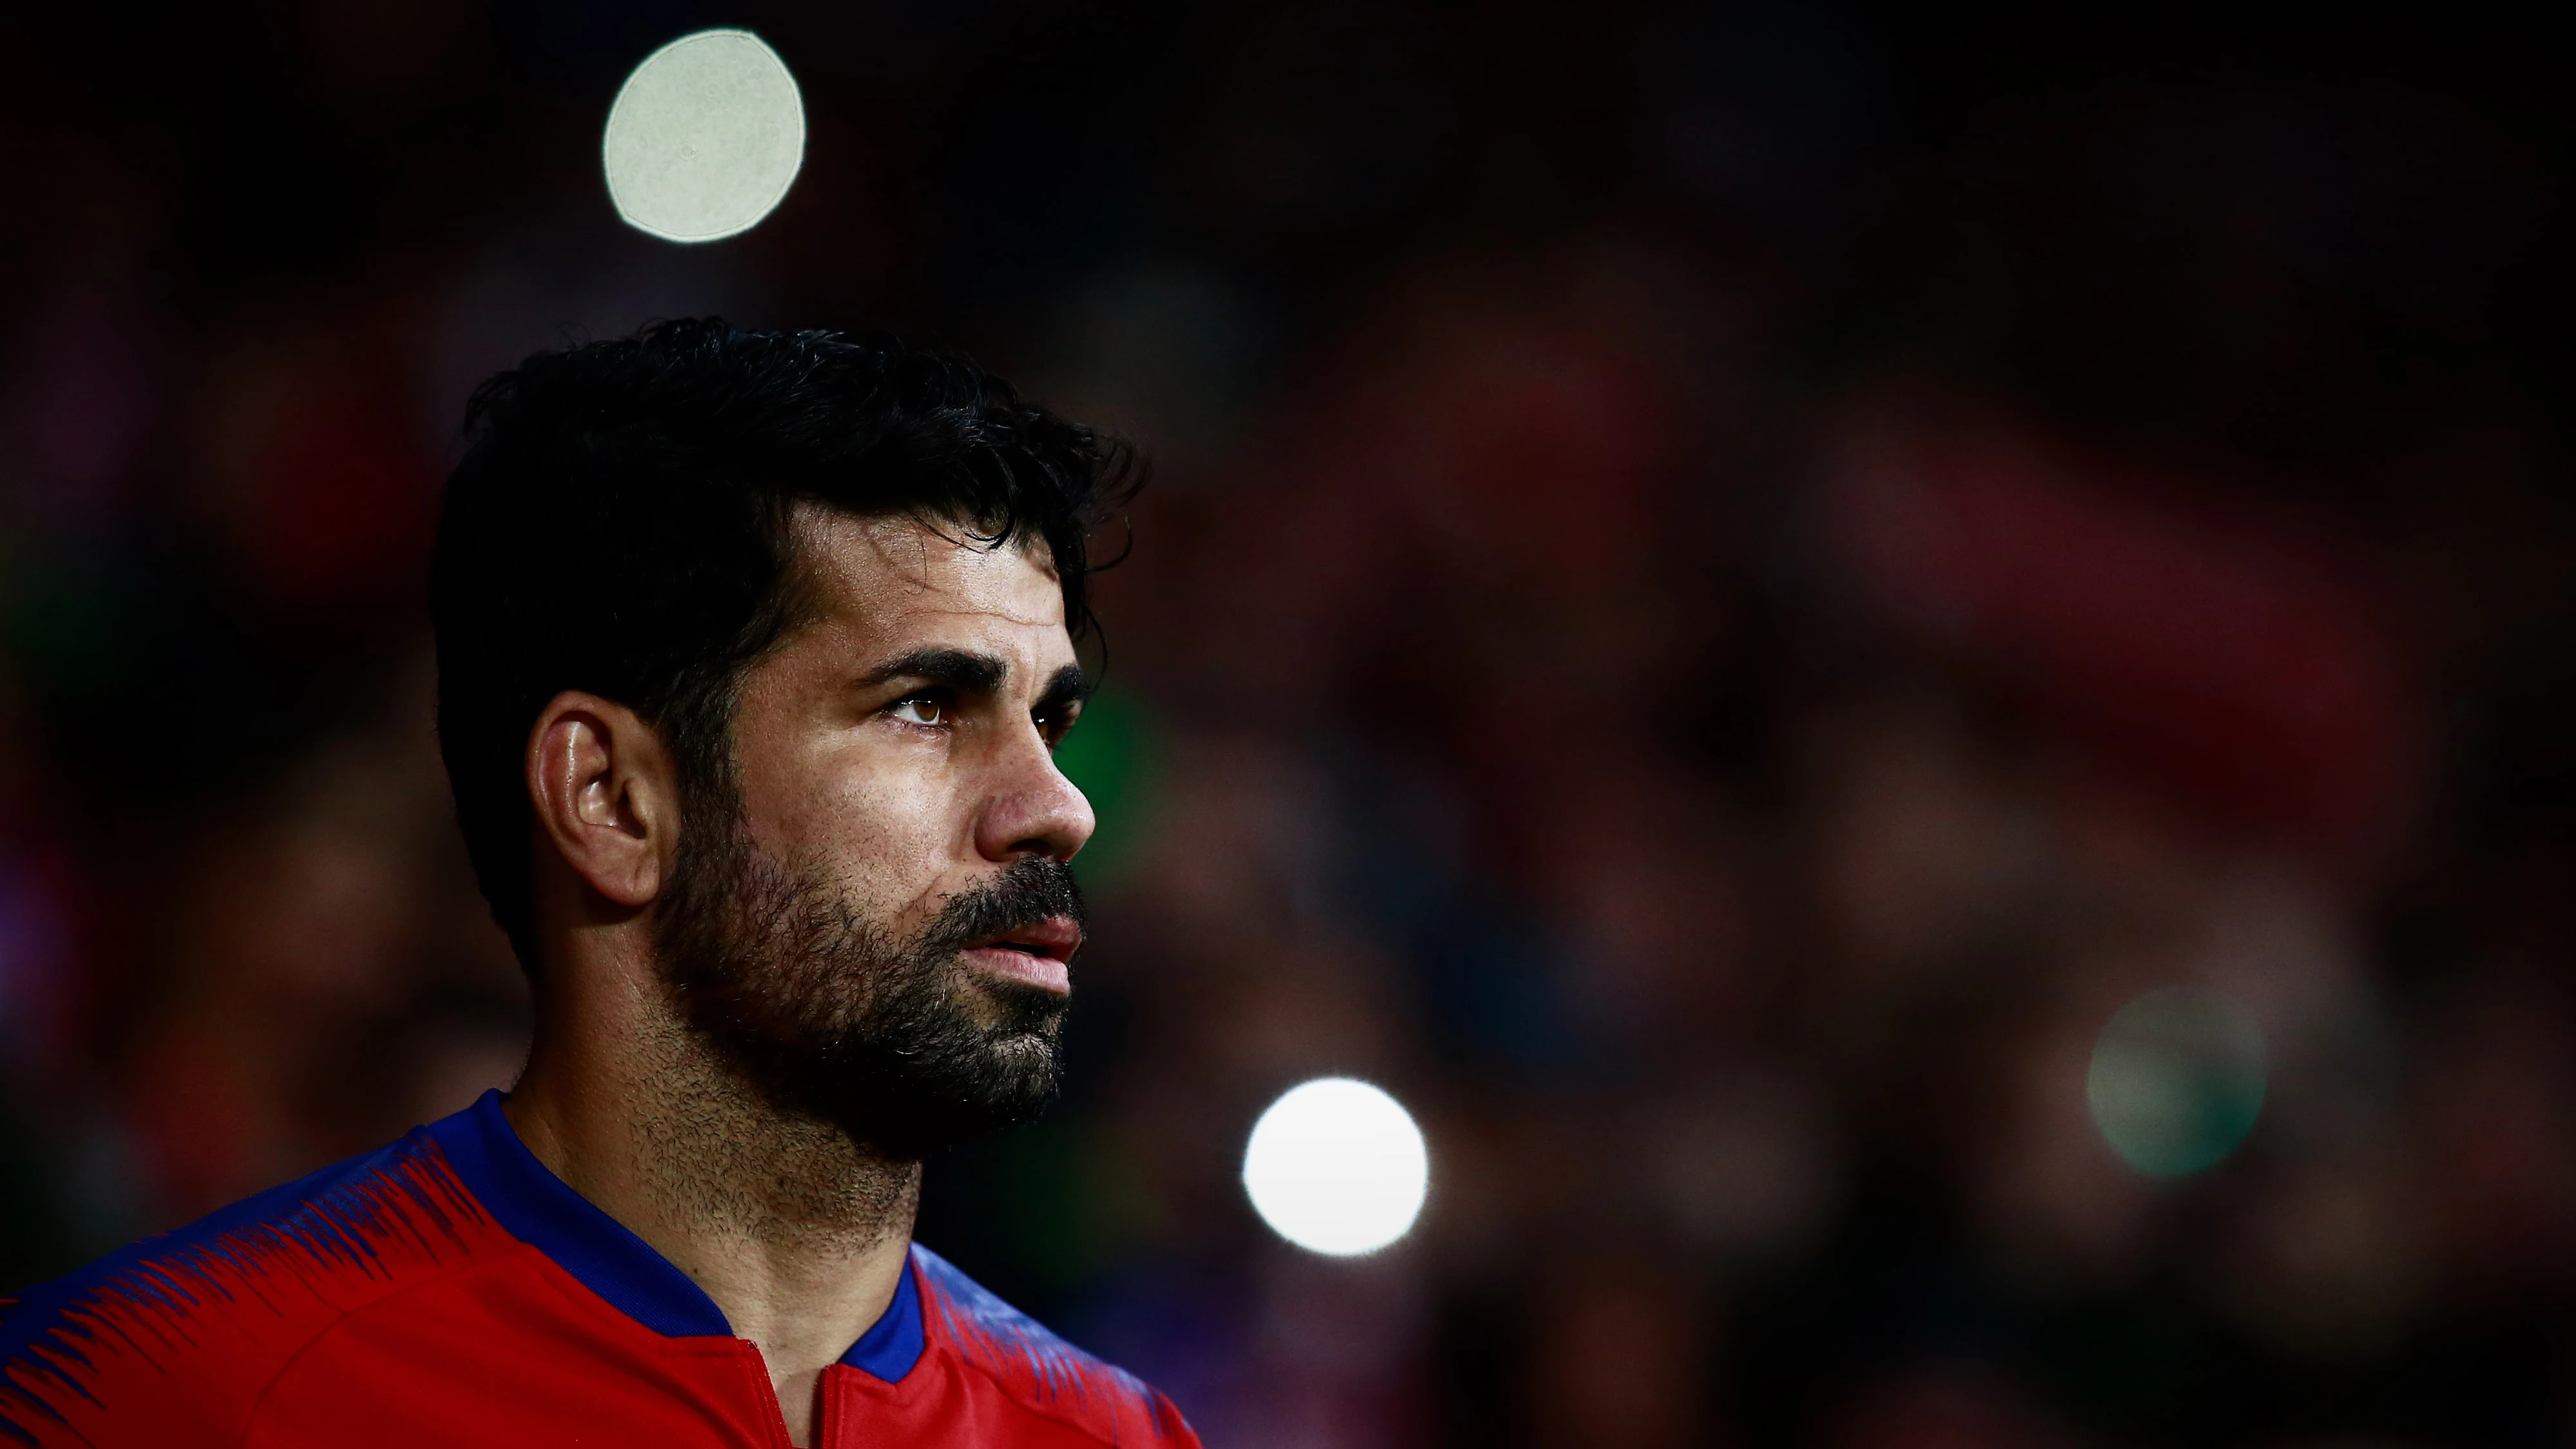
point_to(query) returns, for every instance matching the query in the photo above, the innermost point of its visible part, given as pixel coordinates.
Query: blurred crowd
(1725, 583)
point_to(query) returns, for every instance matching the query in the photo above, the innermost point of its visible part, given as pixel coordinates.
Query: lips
(1039, 954)
(1056, 936)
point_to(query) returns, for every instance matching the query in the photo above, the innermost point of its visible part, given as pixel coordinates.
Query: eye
(920, 709)
(1054, 724)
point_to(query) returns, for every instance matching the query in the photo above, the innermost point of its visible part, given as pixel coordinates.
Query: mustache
(1024, 893)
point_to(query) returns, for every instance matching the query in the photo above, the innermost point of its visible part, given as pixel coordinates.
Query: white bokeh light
(1337, 1166)
(704, 138)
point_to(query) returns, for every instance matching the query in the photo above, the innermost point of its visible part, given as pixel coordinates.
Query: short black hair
(621, 524)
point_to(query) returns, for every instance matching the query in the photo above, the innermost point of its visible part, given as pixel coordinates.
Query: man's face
(881, 933)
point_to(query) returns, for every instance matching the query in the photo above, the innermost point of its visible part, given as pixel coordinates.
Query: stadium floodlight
(1336, 1166)
(704, 138)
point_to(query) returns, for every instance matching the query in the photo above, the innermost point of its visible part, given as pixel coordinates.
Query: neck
(798, 1233)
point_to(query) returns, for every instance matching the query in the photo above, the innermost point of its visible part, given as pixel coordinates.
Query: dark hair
(621, 524)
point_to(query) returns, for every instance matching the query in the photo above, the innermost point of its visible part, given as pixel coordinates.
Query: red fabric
(380, 1304)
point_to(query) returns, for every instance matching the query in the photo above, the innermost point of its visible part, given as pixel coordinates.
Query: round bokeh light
(1337, 1166)
(704, 138)
(2177, 1080)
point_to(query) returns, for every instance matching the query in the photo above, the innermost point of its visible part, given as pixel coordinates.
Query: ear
(606, 795)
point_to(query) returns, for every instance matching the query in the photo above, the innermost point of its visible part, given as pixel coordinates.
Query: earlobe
(599, 783)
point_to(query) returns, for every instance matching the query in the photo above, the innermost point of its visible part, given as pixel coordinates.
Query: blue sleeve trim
(1054, 1364)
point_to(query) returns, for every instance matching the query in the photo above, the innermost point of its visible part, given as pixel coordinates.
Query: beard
(830, 1014)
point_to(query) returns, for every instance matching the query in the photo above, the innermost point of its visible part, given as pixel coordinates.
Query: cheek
(884, 821)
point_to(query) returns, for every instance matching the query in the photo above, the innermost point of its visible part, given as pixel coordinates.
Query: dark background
(1726, 583)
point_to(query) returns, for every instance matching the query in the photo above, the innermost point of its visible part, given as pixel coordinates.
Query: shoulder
(1039, 1370)
(172, 1339)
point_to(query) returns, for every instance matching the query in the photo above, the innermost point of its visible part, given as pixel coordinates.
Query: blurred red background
(1726, 583)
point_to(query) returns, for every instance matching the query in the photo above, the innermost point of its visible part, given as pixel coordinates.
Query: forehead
(897, 580)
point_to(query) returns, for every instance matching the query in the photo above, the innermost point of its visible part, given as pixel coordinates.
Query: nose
(1031, 810)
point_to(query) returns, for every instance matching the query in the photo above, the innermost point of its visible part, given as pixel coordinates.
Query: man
(753, 652)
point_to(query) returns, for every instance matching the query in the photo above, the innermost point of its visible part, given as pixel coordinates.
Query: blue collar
(539, 1209)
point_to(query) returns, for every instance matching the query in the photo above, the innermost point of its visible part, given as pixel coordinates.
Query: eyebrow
(1069, 686)
(960, 669)
(971, 673)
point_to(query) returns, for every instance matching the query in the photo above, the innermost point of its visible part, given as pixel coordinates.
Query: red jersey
(450, 1290)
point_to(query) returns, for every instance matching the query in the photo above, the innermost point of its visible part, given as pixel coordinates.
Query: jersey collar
(540, 1209)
